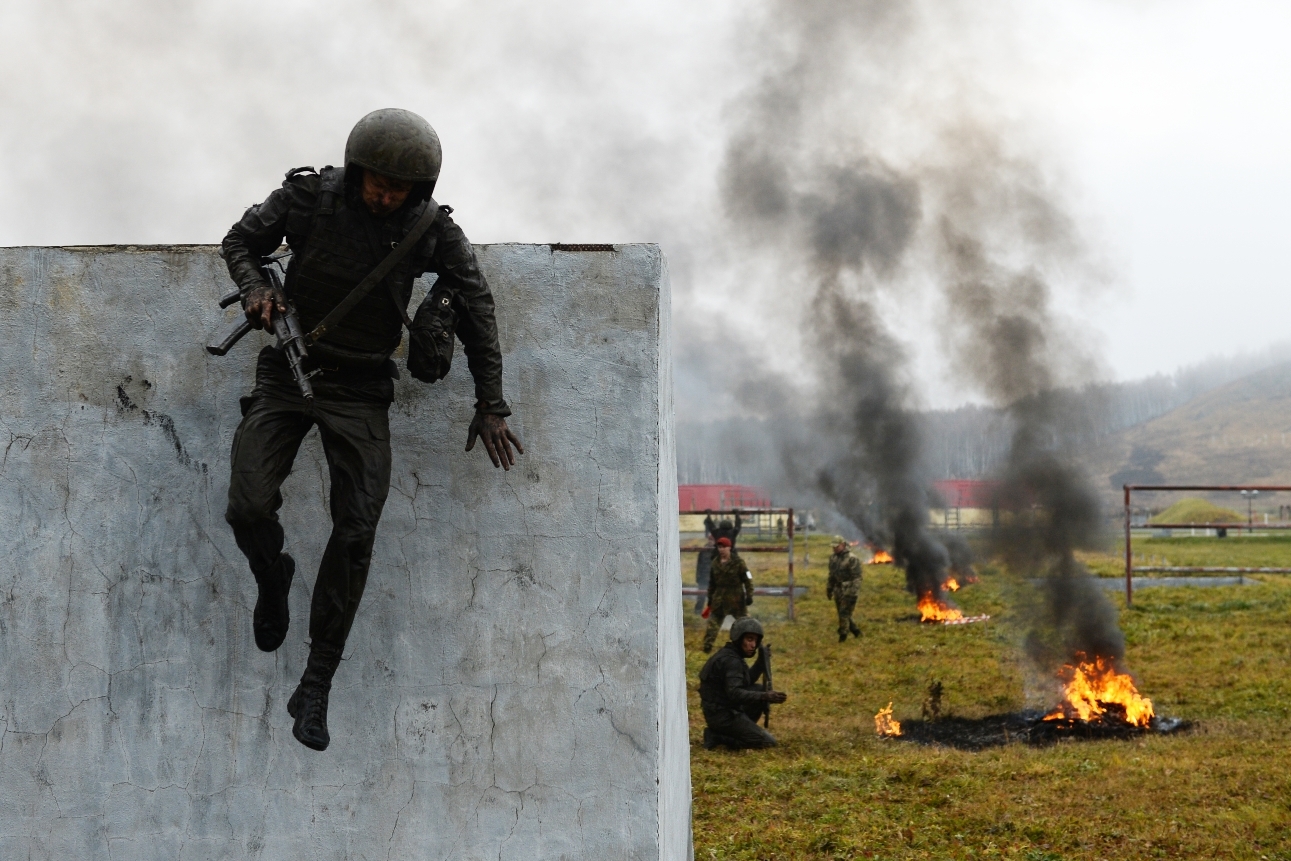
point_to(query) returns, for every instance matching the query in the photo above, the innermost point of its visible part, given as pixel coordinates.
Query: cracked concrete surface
(513, 688)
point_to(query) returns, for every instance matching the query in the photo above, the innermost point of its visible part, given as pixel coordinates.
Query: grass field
(1219, 656)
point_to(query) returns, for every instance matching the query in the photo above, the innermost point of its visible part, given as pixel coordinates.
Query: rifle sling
(374, 277)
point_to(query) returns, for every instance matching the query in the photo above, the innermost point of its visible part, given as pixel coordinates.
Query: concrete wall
(514, 683)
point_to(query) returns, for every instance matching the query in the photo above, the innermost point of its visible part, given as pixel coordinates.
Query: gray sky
(1163, 126)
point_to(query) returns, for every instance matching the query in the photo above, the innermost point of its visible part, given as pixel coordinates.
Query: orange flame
(1092, 689)
(951, 585)
(880, 557)
(886, 725)
(934, 609)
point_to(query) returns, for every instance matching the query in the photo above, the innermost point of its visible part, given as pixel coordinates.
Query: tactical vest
(344, 245)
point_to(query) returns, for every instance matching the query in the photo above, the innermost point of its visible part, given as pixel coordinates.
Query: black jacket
(726, 683)
(288, 213)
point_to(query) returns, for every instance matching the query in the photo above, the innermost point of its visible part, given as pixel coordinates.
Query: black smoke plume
(975, 216)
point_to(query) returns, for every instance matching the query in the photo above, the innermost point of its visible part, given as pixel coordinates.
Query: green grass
(1195, 510)
(1219, 656)
(1245, 550)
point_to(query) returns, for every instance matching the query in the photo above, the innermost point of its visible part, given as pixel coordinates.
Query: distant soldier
(844, 586)
(731, 698)
(724, 528)
(703, 565)
(730, 590)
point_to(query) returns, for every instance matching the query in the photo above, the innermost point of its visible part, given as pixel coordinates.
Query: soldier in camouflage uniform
(730, 590)
(844, 586)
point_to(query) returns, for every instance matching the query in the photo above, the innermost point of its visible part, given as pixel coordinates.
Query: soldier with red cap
(730, 590)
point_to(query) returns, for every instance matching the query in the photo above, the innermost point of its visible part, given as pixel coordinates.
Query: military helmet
(396, 143)
(747, 625)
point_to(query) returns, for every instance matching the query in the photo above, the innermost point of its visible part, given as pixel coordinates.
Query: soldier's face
(382, 195)
(749, 644)
(724, 553)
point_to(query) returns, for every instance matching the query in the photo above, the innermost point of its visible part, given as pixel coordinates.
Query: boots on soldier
(842, 636)
(271, 617)
(308, 705)
(856, 631)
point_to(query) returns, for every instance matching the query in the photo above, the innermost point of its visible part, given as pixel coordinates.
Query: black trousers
(351, 412)
(738, 729)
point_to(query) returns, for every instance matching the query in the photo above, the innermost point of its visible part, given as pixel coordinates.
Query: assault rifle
(762, 667)
(286, 327)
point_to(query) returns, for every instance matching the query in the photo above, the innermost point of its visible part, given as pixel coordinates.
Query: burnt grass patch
(1026, 727)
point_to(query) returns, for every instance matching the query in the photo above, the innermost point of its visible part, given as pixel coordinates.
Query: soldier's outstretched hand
(497, 439)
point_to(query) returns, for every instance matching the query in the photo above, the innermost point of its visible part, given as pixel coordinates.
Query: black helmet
(747, 625)
(398, 144)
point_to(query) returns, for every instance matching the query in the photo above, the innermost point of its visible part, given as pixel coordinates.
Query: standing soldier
(703, 565)
(844, 587)
(723, 528)
(342, 225)
(730, 590)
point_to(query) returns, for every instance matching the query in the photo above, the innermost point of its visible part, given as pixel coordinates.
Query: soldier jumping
(375, 217)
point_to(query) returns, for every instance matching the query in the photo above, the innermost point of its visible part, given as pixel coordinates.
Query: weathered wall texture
(513, 685)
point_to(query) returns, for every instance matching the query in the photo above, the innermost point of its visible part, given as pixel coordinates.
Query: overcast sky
(1164, 127)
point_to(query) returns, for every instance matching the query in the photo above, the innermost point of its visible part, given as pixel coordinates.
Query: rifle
(286, 328)
(763, 665)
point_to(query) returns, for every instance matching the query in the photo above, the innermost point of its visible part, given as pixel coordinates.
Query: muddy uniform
(336, 243)
(730, 591)
(844, 586)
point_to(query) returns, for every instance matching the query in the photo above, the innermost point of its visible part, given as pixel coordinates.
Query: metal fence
(1248, 490)
(776, 591)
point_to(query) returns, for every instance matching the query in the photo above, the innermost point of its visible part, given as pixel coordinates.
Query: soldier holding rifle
(728, 691)
(359, 235)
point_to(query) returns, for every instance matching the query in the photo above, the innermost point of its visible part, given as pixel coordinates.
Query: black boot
(308, 705)
(272, 616)
(842, 636)
(856, 631)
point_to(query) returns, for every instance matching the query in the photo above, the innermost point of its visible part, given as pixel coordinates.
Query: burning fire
(886, 725)
(1094, 690)
(934, 609)
(951, 585)
(880, 557)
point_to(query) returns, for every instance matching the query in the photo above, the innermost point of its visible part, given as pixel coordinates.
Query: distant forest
(968, 442)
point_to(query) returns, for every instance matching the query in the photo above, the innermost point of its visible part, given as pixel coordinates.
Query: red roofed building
(968, 502)
(720, 497)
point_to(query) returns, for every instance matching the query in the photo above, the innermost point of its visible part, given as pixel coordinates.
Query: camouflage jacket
(727, 581)
(844, 573)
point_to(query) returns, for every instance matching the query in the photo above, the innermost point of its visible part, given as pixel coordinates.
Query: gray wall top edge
(151, 249)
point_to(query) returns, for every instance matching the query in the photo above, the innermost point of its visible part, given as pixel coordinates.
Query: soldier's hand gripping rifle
(763, 666)
(286, 327)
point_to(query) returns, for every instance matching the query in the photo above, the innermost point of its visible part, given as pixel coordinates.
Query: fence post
(1129, 563)
(791, 613)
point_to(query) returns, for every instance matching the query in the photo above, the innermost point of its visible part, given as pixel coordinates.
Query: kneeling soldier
(731, 700)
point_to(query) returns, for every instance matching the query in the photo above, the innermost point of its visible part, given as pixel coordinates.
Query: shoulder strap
(374, 277)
